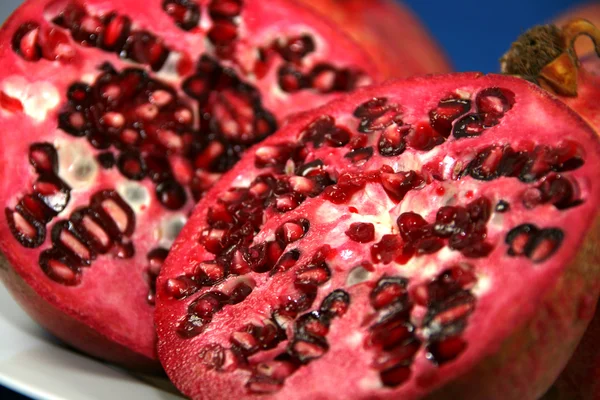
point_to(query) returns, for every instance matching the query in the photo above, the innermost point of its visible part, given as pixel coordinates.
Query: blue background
(474, 33)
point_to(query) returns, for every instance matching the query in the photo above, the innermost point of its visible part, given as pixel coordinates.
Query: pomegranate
(434, 237)
(378, 25)
(546, 55)
(118, 116)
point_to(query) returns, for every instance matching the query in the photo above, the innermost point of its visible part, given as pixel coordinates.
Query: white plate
(36, 365)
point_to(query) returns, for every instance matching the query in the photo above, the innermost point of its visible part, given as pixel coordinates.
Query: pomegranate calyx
(545, 55)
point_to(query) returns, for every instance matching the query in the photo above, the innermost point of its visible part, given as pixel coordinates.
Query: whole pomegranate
(117, 116)
(435, 237)
(389, 31)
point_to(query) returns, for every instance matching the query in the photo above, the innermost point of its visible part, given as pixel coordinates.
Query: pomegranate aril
(239, 293)
(25, 41)
(286, 262)
(29, 231)
(391, 333)
(225, 8)
(361, 232)
(441, 352)
(117, 217)
(335, 304)
(117, 29)
(223, 32)
(447, 111)
(308, 348)
(480, 210)
(44, 158)
(132, 165)
(389, 248)
(391, 142)
(450, 220)
(296, 48)
(145, 48)
(185, 13)
(389, 290)
(397, 185)
(312, 324)
(469, 126)
(395, 376)
(208, 304)
(423, 137)
(544, 244)
(210, 272)
(10, 104)
(493, 103)
(66, 237)
(53, 192)
(401, 354)
(180, 287)
(376, 115)
(171, 194)
(34, 206)
(292, 231)
(411, 226)
(518, 238)
(316, 275)
(58, 267)
(290, 79)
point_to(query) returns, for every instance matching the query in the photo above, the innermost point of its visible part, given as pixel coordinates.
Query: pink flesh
(112, 295)
(508, 289)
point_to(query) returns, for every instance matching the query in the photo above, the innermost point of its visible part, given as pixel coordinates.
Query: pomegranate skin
(102, 304)
(524, 326)
(377, 25)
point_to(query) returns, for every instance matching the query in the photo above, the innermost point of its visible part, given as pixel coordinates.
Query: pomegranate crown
(546, 55)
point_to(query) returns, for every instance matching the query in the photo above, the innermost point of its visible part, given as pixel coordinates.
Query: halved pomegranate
(434, 237)
(117, 115)
(390, 32)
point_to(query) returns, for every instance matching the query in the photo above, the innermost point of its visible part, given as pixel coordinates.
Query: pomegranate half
(118, 115)
(390, 32)
(429, 238)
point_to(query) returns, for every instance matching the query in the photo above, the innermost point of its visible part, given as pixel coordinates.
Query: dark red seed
(239, 293)
(544, 244)
(180, 287)
(185, 13)
(397, 185)
(410, 225)
(290, 79)
(361, 232)
(171, 194)
(313, 276)
(471, 125)
(292, 231)
(423, 137)
(480, 210)
(518, 238)
(308, 349)
(445, 350)
(223, 32)
(25, 41)
(28, 231)
(43, 157)
(53, 192)
(390, 248)
(391, 142)
(395, 376)
(295, 49)
(335, 304)
(388, 291)
(132, 166)
(117, 29)
(287, 261)
(447, 111)
(225, 8)
(106, 160)
(58, 267)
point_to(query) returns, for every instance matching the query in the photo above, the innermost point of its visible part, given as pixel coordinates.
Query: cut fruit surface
(118, 115)
(429, 237)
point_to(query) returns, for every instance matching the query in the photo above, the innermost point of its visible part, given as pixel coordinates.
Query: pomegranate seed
(292, 231)
(335, 304)
(43, 157)
(185, 13)
(25, 41)
(223, 32)
(447, 111)
(388, 291)
(171, 194)
(361, 232)
(411, 225)
(423, 137)
(25, 228)
(446, 350)
(57, 267)
(395, 376)
(388, 249)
